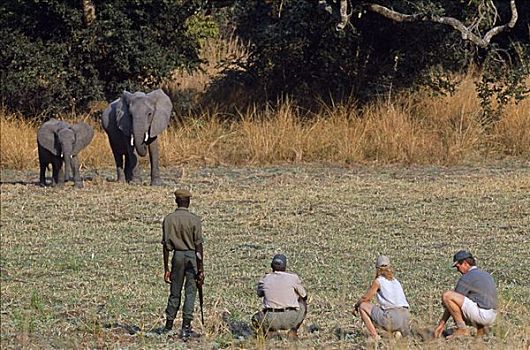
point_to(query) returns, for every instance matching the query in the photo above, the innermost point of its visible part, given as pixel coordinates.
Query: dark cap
(279, 262)
(182, 193)
(461, 255)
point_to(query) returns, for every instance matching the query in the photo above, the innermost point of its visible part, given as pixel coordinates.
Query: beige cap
(382, 260)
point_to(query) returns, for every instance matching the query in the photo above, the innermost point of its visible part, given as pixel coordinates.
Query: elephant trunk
(139, 139)
(68, 164)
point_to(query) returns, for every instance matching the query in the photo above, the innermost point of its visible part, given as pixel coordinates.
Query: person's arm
(463, 286)
(199, 254)
(299, 289)
(441, 325)
(167, 271)
(260, 290)
(374, 287)
(165, 254)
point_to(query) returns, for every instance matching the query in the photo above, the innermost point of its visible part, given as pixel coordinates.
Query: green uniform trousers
(183, 272)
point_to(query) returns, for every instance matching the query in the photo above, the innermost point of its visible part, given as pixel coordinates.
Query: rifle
(198, 280)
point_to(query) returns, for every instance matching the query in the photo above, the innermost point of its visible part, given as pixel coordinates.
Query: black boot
(187, 331)
(168, 327)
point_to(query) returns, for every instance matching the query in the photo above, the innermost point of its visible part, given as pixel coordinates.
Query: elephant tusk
(146, 137)
(132, 140)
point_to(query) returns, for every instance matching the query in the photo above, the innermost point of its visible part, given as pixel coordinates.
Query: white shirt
(390, 294)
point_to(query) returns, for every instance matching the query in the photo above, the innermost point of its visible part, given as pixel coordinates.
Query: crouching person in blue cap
(284, 301)
(474, 300)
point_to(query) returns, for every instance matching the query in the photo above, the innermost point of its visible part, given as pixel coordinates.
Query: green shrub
(52, 62)
(296, 49)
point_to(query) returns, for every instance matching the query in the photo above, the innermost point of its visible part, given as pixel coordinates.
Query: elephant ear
(47, 135)
(123, 117)
(162, 112)
(83, 136)
(109, 114)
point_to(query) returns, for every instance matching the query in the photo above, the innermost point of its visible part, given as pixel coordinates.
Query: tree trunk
(89, 12)
(466, 32)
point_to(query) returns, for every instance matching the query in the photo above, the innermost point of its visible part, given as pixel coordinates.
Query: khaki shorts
(391, 319)
(475, 315)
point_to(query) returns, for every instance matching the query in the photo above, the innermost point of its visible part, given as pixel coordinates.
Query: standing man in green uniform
(182, 234)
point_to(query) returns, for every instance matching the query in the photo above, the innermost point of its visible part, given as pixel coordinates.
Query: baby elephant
(60, 142)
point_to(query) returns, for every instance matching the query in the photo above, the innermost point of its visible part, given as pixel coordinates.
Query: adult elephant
(59, 143)
(133, 123)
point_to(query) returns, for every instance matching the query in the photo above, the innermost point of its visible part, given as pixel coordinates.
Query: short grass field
(83, 268)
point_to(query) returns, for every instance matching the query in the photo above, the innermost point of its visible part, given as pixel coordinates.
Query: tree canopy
(58, 55)
(363, 49)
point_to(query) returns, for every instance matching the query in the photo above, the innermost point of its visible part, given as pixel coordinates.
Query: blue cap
(461, 255)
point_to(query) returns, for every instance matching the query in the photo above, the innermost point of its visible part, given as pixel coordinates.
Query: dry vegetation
(74, 262)
(408, 129)
(79, 268)
(443, 130)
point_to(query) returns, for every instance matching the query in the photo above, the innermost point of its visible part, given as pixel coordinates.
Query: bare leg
(481, 330)
(453, 302)
(365, 309)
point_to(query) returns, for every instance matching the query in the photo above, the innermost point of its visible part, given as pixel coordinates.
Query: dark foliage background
(51, 62)
(296, 49)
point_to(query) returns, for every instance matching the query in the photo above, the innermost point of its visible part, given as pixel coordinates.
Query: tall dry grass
(408, 129)
(187, 89)
(18, 142)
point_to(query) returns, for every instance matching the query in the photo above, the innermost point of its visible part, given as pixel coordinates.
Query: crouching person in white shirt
(284, 301)
(392, 311)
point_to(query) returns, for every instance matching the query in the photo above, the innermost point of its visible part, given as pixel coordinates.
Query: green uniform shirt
(181, 230)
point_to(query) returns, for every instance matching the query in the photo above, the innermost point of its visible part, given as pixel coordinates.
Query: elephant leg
(43, 163)
(42, 175)
(118, 159)
(78, 181)
(57, 172)
(131, 167)
(154, 160)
